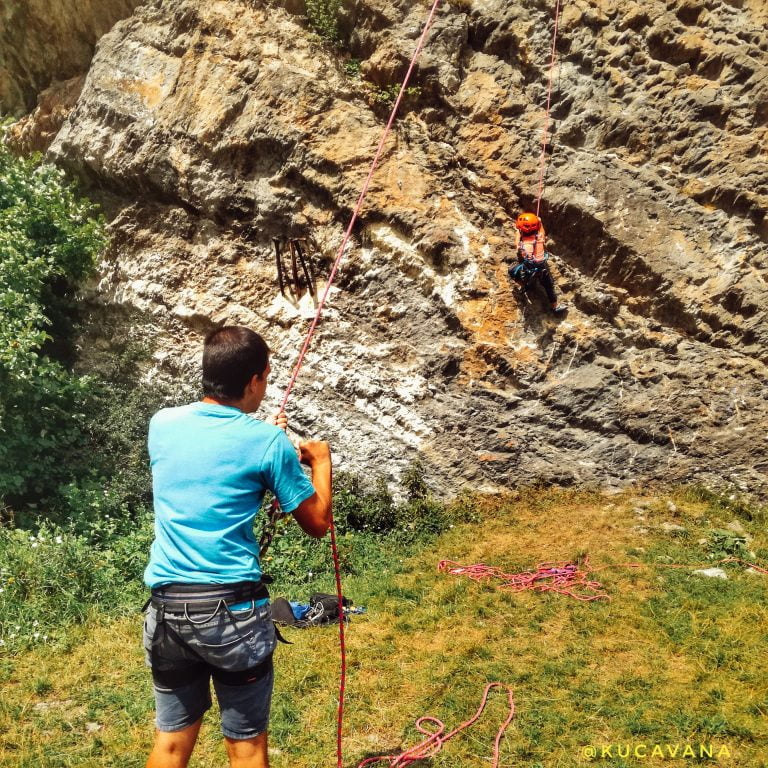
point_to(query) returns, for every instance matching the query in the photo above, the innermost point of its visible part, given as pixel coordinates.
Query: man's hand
(314, 513)
(279, 419)
(314, 452)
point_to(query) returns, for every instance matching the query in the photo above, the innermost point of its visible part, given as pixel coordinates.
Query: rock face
(216, 126)
(35, 132)
(43, 41)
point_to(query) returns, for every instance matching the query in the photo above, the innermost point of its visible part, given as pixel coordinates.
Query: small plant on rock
(323, 16)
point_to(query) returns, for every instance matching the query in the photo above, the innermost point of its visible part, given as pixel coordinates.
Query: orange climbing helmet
(528, 223)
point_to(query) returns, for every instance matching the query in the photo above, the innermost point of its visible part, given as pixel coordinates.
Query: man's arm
(314, 514)
(518, 250)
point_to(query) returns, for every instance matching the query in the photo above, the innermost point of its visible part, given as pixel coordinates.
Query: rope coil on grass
(565, 577)
(435, 740)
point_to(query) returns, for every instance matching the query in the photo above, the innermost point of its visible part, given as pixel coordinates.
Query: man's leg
(248, 753)
(549, 287)
(173, 749)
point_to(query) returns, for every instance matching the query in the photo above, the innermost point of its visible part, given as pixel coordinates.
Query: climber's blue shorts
(234, 649)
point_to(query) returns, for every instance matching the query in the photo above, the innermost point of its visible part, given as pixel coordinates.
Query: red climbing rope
(564, 578)
(435, 740)
(308, 340)
(342, 645)
(359, 205)
(545, 134)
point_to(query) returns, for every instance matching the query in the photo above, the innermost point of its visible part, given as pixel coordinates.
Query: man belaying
(532, 256)
(209, 616)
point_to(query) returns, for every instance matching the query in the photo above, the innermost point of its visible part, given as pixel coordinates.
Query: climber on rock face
(530, 246)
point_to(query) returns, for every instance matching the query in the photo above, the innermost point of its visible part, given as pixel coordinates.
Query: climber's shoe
(559, 309)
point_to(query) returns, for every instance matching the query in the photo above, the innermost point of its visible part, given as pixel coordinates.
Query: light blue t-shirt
(211, 465)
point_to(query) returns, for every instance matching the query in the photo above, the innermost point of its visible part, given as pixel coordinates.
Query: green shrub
(358, 509)
(352, 68)
(55, 577)
(387, 95)
(370, 527)
(49, 239)
(323, 16)
(723, 544)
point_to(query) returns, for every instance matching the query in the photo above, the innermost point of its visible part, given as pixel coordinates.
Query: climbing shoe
(559, 309)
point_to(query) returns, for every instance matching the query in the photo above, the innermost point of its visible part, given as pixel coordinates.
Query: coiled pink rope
(435, 740)
(564, 578)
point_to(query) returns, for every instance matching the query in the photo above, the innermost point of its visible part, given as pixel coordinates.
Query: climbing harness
(525, 272)
(296, 274)
(435, 740)
(565, 578)
(530, 271)
(174, 602)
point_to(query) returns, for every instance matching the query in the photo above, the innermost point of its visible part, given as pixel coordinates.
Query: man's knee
(172, 749)
(248, 753)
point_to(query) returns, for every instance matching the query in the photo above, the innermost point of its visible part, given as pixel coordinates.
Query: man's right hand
(314, 513)
(312, 452)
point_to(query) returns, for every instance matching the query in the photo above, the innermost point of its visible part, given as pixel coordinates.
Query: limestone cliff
(215, 126)
(42, 42)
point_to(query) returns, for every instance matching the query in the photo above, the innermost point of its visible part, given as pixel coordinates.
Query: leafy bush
(387, 95)
(724, 544)
(49, 239)
(56, 577)
(370, 527)
(323, 16)
(352, 68)
(358, 509)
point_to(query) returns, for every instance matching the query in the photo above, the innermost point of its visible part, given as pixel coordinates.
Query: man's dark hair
(232, 355)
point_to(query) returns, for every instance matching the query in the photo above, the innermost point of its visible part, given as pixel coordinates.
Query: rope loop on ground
(436, 739)
(565, 578)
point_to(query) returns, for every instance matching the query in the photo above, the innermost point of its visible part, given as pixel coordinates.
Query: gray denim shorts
(234, 649)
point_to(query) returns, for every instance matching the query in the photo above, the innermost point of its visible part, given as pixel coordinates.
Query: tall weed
(56, 577)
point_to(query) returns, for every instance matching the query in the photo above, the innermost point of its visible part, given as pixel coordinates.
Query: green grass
(672, 658)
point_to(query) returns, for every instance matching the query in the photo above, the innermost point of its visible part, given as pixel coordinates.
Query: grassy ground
(672, 659)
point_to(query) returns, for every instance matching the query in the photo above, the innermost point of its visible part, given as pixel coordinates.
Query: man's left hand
(279, 419)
